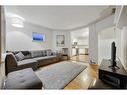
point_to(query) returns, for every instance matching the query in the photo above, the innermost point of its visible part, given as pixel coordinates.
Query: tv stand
(114, 76)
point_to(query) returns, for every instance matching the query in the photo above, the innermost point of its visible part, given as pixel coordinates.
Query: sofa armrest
(58, 55)
(10, 63)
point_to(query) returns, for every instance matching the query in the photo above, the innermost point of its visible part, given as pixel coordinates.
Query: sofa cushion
(19, 56)
(27, 57)
(49, 52)
(36, 53)
(23, 79)
(44, 53)
(27, 61)
(25, 53)
(43, 58)
(54, 53)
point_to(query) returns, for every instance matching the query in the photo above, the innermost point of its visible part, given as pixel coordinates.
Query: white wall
(83, 44)
(73, 39)
(1, 78)
(118, 41)
(122, 17)
(2, 46)
(67, 40)
(121, 45)
(21, 38)
(93, 44)
(105, 23)
(121, 23)
(83, 41)
(105, 38)
(124, 47)
(94, 29)
(3, 29)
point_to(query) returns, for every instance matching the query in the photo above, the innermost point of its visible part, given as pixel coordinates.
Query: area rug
(57, 76)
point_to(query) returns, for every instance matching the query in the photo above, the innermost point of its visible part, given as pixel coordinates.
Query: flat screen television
(113, 57)
(38, 37)
(113, 54)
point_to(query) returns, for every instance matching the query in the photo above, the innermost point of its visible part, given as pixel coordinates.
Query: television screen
(38, 37)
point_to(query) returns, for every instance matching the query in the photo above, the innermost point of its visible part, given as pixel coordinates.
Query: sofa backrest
(27, 54)
(38, 53)
(34, 53)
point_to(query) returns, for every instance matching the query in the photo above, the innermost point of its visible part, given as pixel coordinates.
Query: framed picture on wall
(38, 37)
(60, 40)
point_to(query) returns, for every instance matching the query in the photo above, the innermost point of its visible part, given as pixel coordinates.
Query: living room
(39, 37)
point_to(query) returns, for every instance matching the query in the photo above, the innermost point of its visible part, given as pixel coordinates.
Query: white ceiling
(108, 33)
(81, 33)
(58, 17)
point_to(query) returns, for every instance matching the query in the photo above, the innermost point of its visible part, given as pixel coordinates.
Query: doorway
(80, 45)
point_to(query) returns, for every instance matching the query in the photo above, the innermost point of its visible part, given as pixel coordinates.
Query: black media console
(114, 77)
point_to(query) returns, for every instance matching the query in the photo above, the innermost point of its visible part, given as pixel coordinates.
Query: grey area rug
(57, 76)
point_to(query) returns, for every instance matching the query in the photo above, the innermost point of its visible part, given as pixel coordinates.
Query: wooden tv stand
(115, 77)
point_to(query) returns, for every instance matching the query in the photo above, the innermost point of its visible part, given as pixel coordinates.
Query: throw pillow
(49, 52)
(19, 56)
(44, 52)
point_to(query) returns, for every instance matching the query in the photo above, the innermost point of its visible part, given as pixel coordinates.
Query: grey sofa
(23, 79)
(29, 59)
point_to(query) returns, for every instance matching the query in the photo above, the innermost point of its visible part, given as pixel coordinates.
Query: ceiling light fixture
(17, 22)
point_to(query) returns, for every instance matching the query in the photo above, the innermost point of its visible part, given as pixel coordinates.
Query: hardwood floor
(83, 80)
(81, 58)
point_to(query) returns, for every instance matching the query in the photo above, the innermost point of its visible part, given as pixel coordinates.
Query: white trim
(118, 13)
